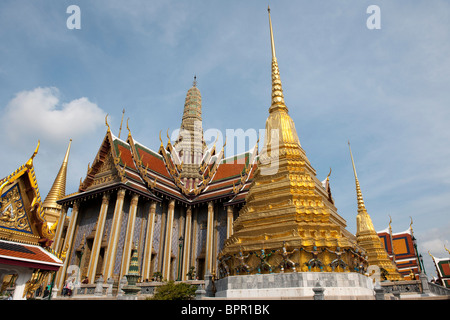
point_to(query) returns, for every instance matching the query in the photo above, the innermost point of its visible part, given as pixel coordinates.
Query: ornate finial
(168, 135)
(277, 90)
(410, 225)
(120, 129)
(106, 122)
(66, 157)
(195, 81)
(58, 189)
(446, 249)
(329, 174)
(37, 149)
(29, 163)
(271, 36)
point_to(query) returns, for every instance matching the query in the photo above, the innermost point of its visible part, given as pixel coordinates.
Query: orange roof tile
(33, 256)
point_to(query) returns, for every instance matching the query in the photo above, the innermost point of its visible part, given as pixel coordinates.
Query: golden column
(68, 242)
(114, 236)
(209, 239)
(128, 244)
(92, 270)
(187, 244)
(147, 259)
(168, 241)
(229, 221)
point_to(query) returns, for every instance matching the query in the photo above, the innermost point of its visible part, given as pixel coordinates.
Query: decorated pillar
(68, 242)
(114, 236)
(187, 244)
(147, 259)
(57, 243)
(20, 284)
(168, 241)
(229, 221)
(96, 246)
(128, 244)
(209, 239)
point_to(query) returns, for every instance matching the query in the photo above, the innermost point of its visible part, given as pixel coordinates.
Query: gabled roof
(113, 167)
(21, 212)
(26, 255)
(132, 165)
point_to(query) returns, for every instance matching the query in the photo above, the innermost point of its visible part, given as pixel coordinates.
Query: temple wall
(122, 234)
(87, 218)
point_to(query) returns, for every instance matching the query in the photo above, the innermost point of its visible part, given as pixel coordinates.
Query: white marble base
(295, 285)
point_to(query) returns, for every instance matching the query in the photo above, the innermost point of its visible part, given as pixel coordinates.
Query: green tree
(172, 291)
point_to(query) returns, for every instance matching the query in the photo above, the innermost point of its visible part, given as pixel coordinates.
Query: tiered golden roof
(368, 238)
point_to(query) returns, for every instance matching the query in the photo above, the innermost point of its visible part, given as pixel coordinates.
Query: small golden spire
(361, 205)
(277, 90)
(58, 189)
(128, 128)
(29, 163)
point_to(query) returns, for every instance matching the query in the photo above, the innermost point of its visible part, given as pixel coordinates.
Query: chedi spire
(52, 209)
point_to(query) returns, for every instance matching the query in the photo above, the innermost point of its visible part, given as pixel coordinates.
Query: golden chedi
(368, 238)
(289, 218)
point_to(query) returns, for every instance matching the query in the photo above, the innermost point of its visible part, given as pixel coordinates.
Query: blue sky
(386, 90)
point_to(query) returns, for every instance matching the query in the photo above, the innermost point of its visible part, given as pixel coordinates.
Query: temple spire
(277, 90)
(359, 197)
(367, 237)
(271, 35)
(57, 191)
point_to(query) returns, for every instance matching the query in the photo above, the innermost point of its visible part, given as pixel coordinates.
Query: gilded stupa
(368, 238)
(51, 209)
(288, 211)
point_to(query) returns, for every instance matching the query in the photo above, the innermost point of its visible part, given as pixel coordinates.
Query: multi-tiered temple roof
(165, 172)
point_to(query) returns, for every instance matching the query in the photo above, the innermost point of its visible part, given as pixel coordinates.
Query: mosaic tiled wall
(157, 235)
(122, 234)
(87, 218)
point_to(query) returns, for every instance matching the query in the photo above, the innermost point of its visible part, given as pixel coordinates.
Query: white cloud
(40, 113)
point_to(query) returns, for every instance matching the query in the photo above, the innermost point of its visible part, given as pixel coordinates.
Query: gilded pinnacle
(277, 90)
(359, 197)
(58, 189)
